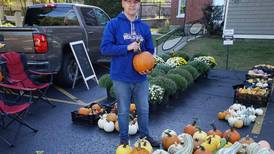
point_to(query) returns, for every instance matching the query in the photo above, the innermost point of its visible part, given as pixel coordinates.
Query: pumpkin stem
(168, 134)
(194, 121)
(213, 126)
(124, 145)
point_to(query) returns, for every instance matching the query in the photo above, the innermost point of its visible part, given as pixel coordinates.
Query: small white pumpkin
(259, 112)
(101, 122)
(160, 151)
(231, 121)
(252, 118)
(109, 126)
(132, 128)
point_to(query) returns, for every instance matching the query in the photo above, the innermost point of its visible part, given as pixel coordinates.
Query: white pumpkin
(252, 118)
(109, 126)
(160, 151)
(259, 112)
(101, 122)
(132, 128)
(231, 121)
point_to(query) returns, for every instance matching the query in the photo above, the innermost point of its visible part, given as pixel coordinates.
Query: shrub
(176, 61)
(207, 59)
(181, 53)
(157, 72)
(163, 67)
(156, 94)
(159, 60)
(184, 73)
(194, 72)
(198, 55)
(168, 85)
(180, 81)
(164, 56)
(105, 81)
(200, 66)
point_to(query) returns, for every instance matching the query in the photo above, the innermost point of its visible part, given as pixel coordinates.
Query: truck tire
(66, 75)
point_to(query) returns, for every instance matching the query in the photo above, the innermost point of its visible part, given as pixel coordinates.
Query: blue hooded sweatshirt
(118, 34)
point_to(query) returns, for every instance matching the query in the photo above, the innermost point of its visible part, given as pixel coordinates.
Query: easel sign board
(83, 61)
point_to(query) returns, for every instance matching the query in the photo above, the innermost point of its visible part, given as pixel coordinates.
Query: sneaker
(152, 141)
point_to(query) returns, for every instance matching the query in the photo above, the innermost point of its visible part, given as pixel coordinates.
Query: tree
(213, 19)
(112, 8)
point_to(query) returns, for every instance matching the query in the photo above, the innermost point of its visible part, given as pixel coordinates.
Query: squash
(101, 122)
(143, 61)
(133, 127)
(221, 115)
(230, 150)
(239, 123)
(144, 144)
(215, 139)
(169, 140)
(209, 145)
(132, 107)
(200, 135)
(246, 140)
(84, 111)
(96, 107)
(197, 143)
(253, 148)
(264, 144)
(215, 131)
(191, 128)
(247, 121)
(112, 117)
(160, 151)
(170, 131)
(187, 142)
(109, 126)
(174, 148)
(139, 150)
(232, 135)
(202, 150)
(123, 149)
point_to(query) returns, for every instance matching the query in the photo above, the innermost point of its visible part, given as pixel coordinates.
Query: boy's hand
(145, 72)
(133, 46)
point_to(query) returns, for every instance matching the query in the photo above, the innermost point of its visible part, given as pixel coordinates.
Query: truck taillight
(40, 43)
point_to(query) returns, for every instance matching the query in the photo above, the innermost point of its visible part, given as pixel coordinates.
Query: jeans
(139, 92)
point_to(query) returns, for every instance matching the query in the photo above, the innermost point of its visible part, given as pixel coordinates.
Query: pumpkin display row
(238, 115)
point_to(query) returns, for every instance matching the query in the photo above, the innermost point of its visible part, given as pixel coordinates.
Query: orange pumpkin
(112, 117)
(84, 111)
(139, 150)
(143, 61)
(221, 115)
(232, 135)
(191, 128)
(96, 107)
(215, 131)
(169, 139)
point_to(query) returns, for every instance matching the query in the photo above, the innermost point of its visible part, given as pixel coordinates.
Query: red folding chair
(14, 113)
(18, 77)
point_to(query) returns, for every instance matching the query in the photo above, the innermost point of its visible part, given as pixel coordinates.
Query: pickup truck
(46, 33)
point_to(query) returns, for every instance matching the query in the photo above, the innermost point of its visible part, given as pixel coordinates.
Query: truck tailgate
(17, 39)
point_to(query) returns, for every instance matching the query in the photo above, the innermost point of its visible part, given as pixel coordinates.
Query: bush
(156, 94)
(180, 81)
(163, 67)
(157, 72)
(168, 85)
(182, 53)
(164, 56)
(200, 66)
(198, 55)
(184, 73)
(194, 72)
(105, 81)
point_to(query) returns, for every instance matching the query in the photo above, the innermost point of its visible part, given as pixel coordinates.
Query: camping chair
(18, 77)
(14, 112)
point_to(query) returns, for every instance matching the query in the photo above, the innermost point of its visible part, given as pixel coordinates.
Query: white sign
(228, 36)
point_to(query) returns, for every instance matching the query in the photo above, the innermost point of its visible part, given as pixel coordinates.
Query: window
(89, 16)
(54, 16)
(102, 18)
(181, 8)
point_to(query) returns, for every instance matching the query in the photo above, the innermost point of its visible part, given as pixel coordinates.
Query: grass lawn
(243, 55)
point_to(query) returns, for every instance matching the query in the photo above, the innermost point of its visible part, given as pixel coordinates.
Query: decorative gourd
(132, 128)
(174, 148)
(228, 115)
(221, 115)
(246, 140)
(132, 107)
(215, 139)
(96, 107)
(231, 121)
(144, 144)
(169, 140)
(139, 150)
(200, 135)
(112, 117)
(264, 144)
(202, 150)
(170, 131)
(253, 148)
(232, 135)
(209, 145)
(160, 151)
(247, 121)
(84, 111)
(143, 61)
(230, 150)
(239, 123)
(101, 122)
(265, 151)
(197, 143)
(109, 126)
(116, 126)
(259, 112)
(187, 142)
(191, 128)
(215, 131)
(123, 149)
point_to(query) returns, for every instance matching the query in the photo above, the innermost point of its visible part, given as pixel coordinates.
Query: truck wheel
(66, 75)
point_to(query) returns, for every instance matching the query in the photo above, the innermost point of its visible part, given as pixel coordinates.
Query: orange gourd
(84, 111)
(232, 135)
(191, 128)
(169, 139)
(215, 131)
(143, 61)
